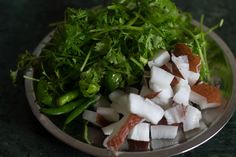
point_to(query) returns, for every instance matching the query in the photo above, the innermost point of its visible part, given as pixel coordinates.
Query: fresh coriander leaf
(43, 93)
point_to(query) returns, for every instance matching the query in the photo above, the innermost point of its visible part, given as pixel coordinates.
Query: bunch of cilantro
(99, 50)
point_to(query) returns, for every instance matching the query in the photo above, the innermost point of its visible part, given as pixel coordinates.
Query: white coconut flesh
(202, 101)
(108, 130)
(140, 132)
(160, 59)
(145, 108)
(91, 117)
(182, 64)
(108, 113)
(175, 114)
(163, 131)
(191, 118)
(193, 77)
(160, 78)
(120, 101)
(182, 92)
(164, 97)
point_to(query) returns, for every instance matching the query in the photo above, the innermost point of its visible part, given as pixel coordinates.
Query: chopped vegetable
(175, 114)
(160, 59)
(140, 132)
(192, 118)
(194, 60)
(80, 109)
(163, 131)
(182, 92)
(95, 118)
(67, 97)
(108, 113)
(206, 96)
(145, 108)
(62, 109)
(107, 130)
(160, 79)
(118, 138)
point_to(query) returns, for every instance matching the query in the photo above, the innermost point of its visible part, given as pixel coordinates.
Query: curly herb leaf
(43, 93)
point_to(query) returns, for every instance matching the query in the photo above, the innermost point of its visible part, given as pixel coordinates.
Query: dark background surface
(23, 23)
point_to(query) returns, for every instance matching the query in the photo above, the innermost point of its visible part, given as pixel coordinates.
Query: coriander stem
(202, 35)
(131, 22)
(105, 30)
(86, 60)
(31, 78)
(86, 132)
(216, 26)
(136, 62)
(118, 71)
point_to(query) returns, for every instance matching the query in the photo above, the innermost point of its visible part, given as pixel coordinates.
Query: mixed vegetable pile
(168, 105)
(95, 52)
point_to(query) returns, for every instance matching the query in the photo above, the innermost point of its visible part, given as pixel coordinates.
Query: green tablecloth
(23, 23)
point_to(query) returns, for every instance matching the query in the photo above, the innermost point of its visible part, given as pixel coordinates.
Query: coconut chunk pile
(169, 103)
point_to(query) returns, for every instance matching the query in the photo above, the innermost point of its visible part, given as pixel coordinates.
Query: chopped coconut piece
(164, 97)
(194, 60)
(160, 143)
(120, 101)
(160, 59)
(108, 113)
(191, 118)
(145, 108)
(182, 92)
(108, 130)
(176, 72)
(196, 131)
(105, 141)
(121, 108)
(140, 132)
(175, 114)
(160, 79)
(197, 98)
(118, 136)
(115, 95)
(182, 65)
(193, 78)
(206, 96)
(95, 118)
(163, 131)
(102, 102)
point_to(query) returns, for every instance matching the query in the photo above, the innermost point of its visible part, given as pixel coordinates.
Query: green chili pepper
(113, 81)
(62, 109)
(81, 108)
(67, 97)
(86, 132)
